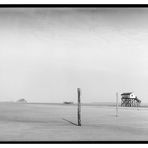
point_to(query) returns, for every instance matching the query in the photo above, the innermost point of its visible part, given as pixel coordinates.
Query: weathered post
(116, 104)
(79, 106)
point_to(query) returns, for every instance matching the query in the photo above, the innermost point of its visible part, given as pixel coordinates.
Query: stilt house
(129, 100)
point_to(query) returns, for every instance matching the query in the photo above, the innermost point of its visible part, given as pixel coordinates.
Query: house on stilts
(129, 100)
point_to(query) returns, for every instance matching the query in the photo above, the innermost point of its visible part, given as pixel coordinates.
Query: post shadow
(70, 122)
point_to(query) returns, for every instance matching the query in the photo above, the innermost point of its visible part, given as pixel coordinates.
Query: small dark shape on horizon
(21, 101)
(68, 103)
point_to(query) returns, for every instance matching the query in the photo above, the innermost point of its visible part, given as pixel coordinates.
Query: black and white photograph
(73, 74)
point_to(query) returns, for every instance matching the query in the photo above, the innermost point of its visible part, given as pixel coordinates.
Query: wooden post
(116, 104)
(79, 106)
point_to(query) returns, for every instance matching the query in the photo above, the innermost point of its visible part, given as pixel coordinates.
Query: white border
(72, 2)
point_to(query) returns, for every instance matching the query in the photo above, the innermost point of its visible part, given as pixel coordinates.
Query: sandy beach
(51, 122)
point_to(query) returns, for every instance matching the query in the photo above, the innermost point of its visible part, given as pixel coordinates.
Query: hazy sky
(46, 53)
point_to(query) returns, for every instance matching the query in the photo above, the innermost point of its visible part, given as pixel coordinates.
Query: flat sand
(47, 122)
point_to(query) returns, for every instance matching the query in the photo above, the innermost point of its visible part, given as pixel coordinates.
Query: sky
(47, 53)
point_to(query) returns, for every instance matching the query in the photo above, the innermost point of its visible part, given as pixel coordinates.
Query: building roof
(127, 93)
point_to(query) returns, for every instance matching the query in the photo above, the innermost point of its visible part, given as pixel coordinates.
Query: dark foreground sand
(40, 122)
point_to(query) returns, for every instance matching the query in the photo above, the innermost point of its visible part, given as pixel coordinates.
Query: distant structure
(129, 100)
(68, 103)
(21, 101)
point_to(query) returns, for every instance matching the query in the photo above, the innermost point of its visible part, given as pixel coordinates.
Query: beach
(58, 122)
